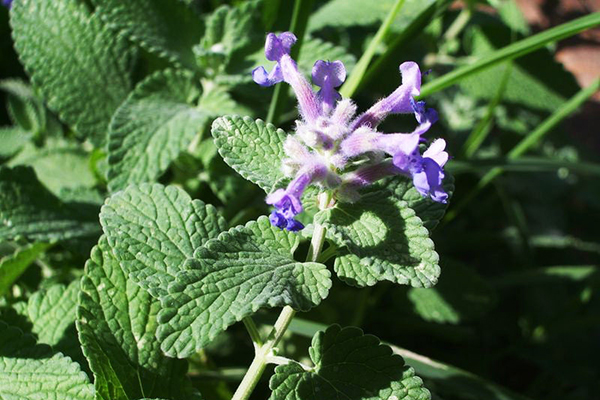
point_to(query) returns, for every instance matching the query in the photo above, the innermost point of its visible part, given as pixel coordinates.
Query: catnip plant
(174, 226)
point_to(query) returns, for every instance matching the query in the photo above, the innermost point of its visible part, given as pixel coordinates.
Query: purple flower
(336, 150)
(7, 3)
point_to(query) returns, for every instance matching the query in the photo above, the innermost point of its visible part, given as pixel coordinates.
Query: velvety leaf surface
(30, 371)
(83, 80)
(149, 130)
(153, 229)
(253, 148)
(382, 238)
(348, 365)
(116, 320)
(231, 277)
(28, 209)
(165, 27)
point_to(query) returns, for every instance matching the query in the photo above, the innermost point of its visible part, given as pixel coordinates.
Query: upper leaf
(29, 371)
(153, 229)
(83, 80)
(253, 148)
(117, 325)
(349, 365)
(166, 27)
(27, 208)
(381, 238)
(231, 277)
(151, 128)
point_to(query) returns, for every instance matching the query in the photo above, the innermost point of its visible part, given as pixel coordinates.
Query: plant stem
(302, 9)
(526, 143)
(265, 351)
(352, 83)
(459, 23)
(253, 331)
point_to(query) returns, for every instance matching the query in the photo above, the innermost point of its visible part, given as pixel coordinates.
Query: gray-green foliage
(28, 209)
(254, 149)
(116, 320)
(154, 229)
(231, 277)
(166, 27)
(382, 238)
(83, 80)
(30, 371)
(157, 121)
(348, 365)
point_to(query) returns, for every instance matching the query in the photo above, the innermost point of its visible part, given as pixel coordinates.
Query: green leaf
(58, 165)
(116, 320)
(83, 80)
(252, 148)
(381, 238)
(348, 365)
(151, 128)
(231, 277)
(24, 108)
(51, 311)
(460, 295)
(153, 229)
(13, 139)
(13, 266)
(166, 27)
(28, 209)
(29, 371)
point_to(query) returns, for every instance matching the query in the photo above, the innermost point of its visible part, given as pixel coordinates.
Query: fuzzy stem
(265, 352)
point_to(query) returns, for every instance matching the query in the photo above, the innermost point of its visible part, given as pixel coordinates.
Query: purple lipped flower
(335, 150)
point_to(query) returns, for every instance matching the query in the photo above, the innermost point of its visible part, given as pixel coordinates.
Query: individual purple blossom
(7, 3)
(336, 150)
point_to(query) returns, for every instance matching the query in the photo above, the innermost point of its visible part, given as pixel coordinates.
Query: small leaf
(381, 238)
(252, 148)
(116, 320)
(83, 80)
(166, 27)
(13, 139)
(151, 128)
(28, 209)
(153, 229)
(229, 278)
(30, 371)
(348, 365)
(24, 108)
(13, 266)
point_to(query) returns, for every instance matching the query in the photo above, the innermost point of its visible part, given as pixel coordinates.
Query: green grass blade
(513, 51)
(352, 83)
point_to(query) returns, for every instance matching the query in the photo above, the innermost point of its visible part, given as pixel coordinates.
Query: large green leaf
(231, 277)
(13, 266)
(253, 148)
(28, 209)
(81, 68)
(153, 229)
(32, 372)
(151, 128)
(116, 320)
(166, 27)
(349, 365)
(381, 238)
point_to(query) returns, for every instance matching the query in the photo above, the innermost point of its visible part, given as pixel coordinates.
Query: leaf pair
(206, 281)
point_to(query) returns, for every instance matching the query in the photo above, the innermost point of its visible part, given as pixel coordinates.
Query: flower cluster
(338, 150)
